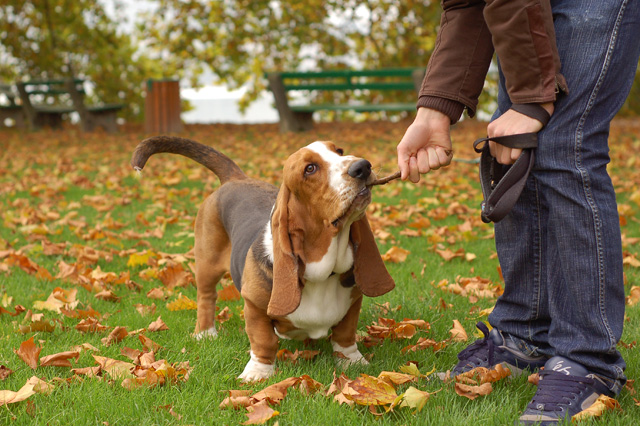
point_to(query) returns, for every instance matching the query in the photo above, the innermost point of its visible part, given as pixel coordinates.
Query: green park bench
(45, 102)
(299, 117)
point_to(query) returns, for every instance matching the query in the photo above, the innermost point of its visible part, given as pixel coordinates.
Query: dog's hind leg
(212, 252)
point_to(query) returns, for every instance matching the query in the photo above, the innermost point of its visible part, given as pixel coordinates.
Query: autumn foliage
(97, 282)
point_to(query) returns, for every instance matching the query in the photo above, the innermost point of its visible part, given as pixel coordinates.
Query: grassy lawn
(70, 199)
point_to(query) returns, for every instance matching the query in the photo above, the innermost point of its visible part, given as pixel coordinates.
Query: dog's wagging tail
(221, 165)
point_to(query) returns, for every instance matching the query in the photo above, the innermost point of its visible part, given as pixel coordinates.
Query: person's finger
(444, 156)
(423, 161)
(492, 148)
(403, 164)
(414, 174)
(515, 154)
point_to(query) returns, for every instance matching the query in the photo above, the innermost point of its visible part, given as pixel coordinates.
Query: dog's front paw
(255, 370)
(348, 356)
(210, 333)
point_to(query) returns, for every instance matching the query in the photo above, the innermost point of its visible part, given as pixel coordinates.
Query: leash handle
(500, 189)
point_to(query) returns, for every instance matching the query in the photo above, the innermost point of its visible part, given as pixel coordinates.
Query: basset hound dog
(302, 255)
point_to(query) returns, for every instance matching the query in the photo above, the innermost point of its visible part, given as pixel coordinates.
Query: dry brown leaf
(18, 309)
(10, 397)
(60, 359)
(481, 375)
(116, 335)
(158, 325)
(458, 333)
(634, 295)
(90, 325)
(116, 369)
(224, 315)
(228, 293)
(259, 413)
(148, 344)
(395, 255)
(107, 295)
(472, 392)
(369, 390)
(29, 353)
(5, 372)
(145, 310)
(174, 275)
(395, 379)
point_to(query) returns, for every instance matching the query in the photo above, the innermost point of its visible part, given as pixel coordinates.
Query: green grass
(56, 172)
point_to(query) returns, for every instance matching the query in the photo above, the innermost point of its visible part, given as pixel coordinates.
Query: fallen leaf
(182, 303)
(158, 325)
(472, 392)
(597, 409)
(116, 369)
(369, 390)
(634, 295)
(90, 325)
(395, 255)
(228, 293)
(116, 335)
(414, 398)
(395, 379)
(5, 372)
(107, 295)
(458, 333)
(145, 310)
(29, 353)
(259, 413)
(148, 344)
(18, 309)
(60, 359)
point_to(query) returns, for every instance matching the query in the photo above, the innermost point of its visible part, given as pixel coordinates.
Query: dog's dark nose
(361, 169)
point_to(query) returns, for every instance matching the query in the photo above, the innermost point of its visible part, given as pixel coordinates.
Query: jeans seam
(537, 264)
(586, 179)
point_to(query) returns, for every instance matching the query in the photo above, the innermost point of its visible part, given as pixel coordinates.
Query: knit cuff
(451, 109)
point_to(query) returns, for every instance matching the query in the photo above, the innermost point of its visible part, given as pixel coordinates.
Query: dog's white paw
(210, 333)
(255, 370)
(348, 356)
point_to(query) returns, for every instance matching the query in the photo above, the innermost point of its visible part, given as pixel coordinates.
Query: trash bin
(162, 107)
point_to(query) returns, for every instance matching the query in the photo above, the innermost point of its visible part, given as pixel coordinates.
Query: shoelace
(479, 350)
(556, 390)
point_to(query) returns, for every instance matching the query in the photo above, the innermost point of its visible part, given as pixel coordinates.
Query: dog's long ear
(285, 293)
(370, 273)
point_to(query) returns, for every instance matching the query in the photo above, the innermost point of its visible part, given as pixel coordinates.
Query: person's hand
(512, 123)
(425, 146)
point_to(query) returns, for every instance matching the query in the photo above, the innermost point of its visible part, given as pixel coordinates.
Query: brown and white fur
(302, 255)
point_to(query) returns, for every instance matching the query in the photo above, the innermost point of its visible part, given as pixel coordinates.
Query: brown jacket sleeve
(524, 39)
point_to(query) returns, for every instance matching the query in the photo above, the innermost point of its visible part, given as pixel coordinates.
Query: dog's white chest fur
(324, 301)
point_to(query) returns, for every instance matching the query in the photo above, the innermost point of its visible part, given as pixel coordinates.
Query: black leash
(502, 185)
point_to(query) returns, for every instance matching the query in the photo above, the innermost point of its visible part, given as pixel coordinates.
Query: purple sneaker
(494, 349)
(565, 389)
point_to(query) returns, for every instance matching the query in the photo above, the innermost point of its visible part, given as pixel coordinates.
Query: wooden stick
(387, 179)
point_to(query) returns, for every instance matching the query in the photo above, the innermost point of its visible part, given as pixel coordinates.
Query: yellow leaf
(414, 398)
(600, 405)
(182, 303)
(137, 259)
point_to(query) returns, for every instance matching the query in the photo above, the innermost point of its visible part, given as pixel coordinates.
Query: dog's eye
(310, 169)
(340, 151)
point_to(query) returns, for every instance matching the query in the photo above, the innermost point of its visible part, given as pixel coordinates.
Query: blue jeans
(560, 249)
